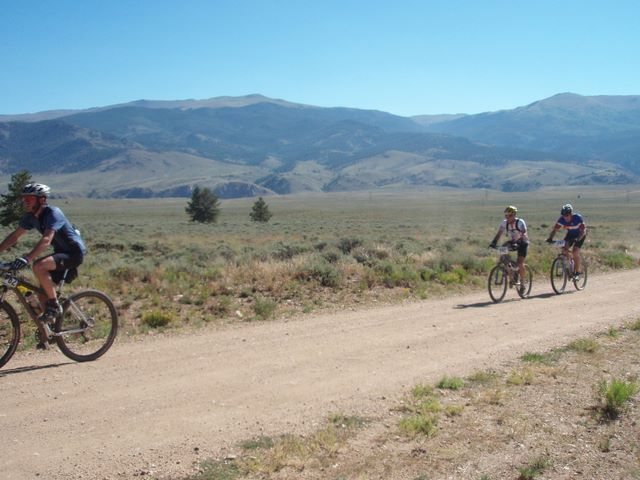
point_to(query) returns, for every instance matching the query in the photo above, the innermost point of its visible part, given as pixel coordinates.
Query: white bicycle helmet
(37, 189)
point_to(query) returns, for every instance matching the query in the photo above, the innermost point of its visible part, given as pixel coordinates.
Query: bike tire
(581, 283)
(497, 283)
(528, 282)
(559, 275)
(9, 332)
(86, 344)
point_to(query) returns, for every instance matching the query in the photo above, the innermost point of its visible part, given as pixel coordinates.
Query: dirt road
(162, 404)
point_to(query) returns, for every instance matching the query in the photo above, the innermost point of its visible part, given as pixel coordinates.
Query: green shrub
(392, 275)
(264, 308)
(634, 325)
(156, 319)
(614, 395)
(450, 383)
(535, 469)
(217, 470)
(583, 345)
(287, 252)
(617, 260)
(345, 245)
(325, 274)
(331, 256)
(419, 425)
(422, 391)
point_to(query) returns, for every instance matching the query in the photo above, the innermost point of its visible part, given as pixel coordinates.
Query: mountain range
(254, 145)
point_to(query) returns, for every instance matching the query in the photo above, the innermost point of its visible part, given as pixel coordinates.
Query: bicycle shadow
(489, 302)
(32, 368)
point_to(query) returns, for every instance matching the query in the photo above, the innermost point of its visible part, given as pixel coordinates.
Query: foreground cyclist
(516, 230)
(576, 229)
(56, 230)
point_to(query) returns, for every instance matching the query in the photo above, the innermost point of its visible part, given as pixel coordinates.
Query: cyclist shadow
(32, 368)
(489, 303)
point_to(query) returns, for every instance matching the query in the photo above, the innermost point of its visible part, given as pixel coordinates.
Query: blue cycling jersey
(66, 239)
(573, 227)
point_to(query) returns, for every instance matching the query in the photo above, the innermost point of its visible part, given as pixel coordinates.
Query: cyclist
(56, 230)
(516, 230)
(576, 229)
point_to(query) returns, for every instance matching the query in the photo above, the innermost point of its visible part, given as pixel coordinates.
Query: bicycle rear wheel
(526, 283)
(581, 282)
(9, 332)
(558, 275)
(87, 327)
(497, 283)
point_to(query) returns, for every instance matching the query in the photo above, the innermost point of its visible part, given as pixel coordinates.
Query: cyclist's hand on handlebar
(549, 240)
(492, 245)
(19, 263)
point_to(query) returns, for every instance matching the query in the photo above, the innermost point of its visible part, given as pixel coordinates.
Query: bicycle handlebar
(558, 243)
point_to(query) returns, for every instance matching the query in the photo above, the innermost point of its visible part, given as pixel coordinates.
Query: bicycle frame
(506, 274)
(11, 282)
(566, 261)
(15, 283)
(509, 263)
(84, 331)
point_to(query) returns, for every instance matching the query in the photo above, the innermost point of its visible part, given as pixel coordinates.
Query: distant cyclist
(576, 230)
(57, 231)
(516, 230)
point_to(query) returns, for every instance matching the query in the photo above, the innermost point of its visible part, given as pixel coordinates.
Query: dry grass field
(324, 251)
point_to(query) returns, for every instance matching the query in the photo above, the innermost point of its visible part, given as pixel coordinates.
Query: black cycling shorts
(65, 261)
(520, 247)
(574, 242)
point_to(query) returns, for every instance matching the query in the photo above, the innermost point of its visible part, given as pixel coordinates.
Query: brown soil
(159, 405)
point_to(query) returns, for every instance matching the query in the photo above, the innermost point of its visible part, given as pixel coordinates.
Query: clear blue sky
(401, 56)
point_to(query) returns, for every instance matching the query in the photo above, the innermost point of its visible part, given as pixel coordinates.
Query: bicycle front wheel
(581, 282)
(526, 283)
(497, 283)
(9, 332)
(87, 327)
(558, 275)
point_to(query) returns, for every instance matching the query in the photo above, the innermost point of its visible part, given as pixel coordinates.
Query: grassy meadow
(323, 251)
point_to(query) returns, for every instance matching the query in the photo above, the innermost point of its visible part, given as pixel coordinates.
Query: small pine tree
(260, 211)
(11, 208)
(204, 206)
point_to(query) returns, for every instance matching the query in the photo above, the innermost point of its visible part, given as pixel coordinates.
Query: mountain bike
(562, 270)
(83, 332)
(506, 275)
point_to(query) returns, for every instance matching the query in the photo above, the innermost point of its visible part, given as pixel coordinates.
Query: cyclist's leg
(522, 255)
(48, 270)
(577, 259)
(42, 269)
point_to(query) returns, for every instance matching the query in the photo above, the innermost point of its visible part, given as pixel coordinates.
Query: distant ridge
(255, 145)
(215, 102)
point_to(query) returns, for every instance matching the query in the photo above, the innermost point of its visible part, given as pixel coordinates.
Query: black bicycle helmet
(566, 209)
(37, 189)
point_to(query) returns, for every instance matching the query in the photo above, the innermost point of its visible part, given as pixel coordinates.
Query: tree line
(204, 206)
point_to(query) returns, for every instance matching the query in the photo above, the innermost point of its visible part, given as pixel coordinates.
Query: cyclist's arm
(41, 246)
(583, 231)
(501, 230)
(12, 239)
(555, 228)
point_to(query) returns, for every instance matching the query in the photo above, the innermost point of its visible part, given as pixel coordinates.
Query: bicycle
(505, 274)
(562, 269)
(83, 332)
